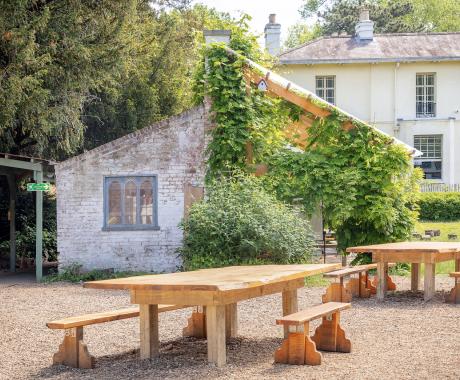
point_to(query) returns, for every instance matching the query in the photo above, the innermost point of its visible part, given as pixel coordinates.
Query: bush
(443, 206)
(240, 223)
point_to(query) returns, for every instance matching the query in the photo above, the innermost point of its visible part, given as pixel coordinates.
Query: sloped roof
(401, 47)
(275, 79)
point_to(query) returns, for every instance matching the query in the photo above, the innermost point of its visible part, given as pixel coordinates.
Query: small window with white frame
(130, 203)
(425, 97)
(325, 88)
(431, 160)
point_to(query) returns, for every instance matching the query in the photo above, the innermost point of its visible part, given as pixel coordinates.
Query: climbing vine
(364, 182)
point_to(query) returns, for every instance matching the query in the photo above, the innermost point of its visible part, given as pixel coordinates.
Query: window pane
(146, 194)
(130, 202)
(114, 203)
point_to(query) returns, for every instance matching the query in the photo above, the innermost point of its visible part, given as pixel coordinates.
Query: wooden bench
(361, 287)
(454, 295)
(73, 351)
(299, 348)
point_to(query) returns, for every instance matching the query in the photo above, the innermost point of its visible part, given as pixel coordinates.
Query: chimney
(365, 27)
(272, 33)
(212, 36)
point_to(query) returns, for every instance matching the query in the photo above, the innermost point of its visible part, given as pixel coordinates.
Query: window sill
(131, 228)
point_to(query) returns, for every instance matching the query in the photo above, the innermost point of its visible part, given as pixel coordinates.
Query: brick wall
(174, 151)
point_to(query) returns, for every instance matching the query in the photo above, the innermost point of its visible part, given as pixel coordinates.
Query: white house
(407, 85)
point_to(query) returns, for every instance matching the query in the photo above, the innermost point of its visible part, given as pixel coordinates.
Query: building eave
(365, 60)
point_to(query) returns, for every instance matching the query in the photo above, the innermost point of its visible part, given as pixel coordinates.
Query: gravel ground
(401, 338)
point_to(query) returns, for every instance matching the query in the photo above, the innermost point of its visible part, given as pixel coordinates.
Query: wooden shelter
(15, 168)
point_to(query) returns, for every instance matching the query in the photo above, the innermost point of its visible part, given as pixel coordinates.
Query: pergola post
(12, 219)
(39, 228)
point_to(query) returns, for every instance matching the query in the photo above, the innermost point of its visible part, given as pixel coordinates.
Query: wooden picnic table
(415, 253)
(218, 289)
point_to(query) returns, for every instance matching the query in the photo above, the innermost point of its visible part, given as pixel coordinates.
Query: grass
(445, 228)
(316, 281)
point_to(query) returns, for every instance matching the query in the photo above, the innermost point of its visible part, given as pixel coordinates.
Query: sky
(286, 11)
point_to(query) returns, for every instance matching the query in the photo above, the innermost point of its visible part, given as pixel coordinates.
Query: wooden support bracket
(390, 284)
(357, 288)
(196, 326)
(298, 349)
(72, 351)
(329, 336)
(336, 292)
(454, 295)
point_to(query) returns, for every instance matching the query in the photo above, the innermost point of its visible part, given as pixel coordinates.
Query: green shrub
(240, 223)
(444, 206)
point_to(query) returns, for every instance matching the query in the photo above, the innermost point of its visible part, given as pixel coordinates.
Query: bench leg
(298, 349)
(454, 295)
(196, 326)
(289, 298)
(329, 336)
(336, 292)
(357, 287)
(72, 351)
(414, 276)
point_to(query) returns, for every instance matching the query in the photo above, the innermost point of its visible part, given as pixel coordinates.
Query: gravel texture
(401, 338)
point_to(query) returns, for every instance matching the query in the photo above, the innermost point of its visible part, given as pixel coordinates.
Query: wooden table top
(216, 279)
(410, 247)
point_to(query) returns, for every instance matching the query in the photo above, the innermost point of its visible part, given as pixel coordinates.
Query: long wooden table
(218, 289)
(415, 253)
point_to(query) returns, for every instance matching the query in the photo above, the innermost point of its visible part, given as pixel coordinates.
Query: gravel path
(400, 338)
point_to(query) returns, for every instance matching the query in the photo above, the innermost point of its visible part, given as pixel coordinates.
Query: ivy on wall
(365, 182)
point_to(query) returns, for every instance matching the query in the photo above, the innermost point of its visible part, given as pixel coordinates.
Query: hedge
(443, 206)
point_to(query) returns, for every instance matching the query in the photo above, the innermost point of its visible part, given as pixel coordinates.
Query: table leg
(414, 276)
(231, 320)
(382, 271)
(289, 306)
(429, 281)
(457, 265)
(215, 331)
(150, 345)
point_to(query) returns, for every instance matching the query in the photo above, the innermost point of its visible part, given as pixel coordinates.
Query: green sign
(38, 186)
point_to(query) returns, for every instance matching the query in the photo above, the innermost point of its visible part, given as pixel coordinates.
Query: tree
(337, 16)
(301, 33)
(51, 54)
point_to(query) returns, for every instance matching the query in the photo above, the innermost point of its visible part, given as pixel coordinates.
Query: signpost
(43, 186)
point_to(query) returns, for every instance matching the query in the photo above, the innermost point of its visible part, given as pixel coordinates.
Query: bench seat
(107, 316)
(312, 313)
(350, 270)
(73, 351)
(299, 348)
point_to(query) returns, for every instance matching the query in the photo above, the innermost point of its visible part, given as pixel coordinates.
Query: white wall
(381, 93)
(174, 151)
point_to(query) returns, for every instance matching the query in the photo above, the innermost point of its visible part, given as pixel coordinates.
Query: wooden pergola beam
(286, 94)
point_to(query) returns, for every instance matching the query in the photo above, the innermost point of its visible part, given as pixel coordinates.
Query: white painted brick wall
(174, 151)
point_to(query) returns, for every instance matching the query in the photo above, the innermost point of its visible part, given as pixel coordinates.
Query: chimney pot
(272, 34)
(365, 27)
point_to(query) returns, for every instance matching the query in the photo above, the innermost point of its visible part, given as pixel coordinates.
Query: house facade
(119, 205)
(407, 85)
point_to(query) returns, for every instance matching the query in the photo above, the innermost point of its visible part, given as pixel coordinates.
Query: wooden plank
(414, 276)
(454, 274)
(149, 331)
(107, 316)
(216, 279)
(382, 271)
(215, 331)
(290, 305)
(313, 313)
(429, 283)
(457, 264)
(288, 95)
